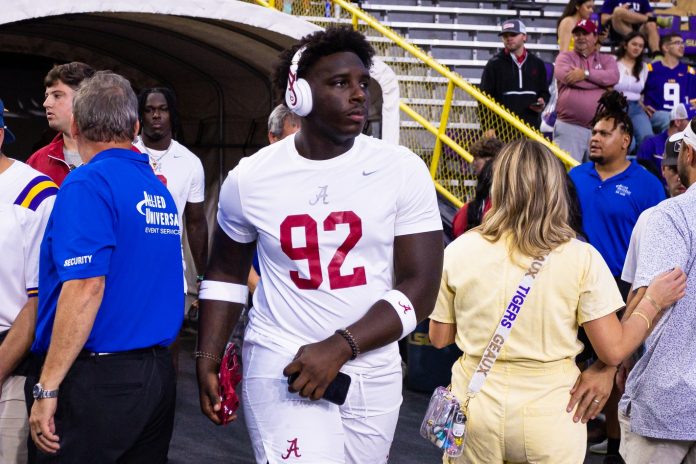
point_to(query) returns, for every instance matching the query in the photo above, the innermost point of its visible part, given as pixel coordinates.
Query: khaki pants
(14, 425)
(636, 449)
(519, 415)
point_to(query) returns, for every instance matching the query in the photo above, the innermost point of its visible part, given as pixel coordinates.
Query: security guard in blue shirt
(110, 297)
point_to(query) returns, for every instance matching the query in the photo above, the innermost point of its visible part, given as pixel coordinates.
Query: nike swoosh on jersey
(365, 173)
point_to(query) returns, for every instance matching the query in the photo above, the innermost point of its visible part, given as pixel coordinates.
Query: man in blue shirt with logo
(110, 297)
(613, 191)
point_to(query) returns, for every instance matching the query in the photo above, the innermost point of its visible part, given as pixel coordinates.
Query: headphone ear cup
(303, 104)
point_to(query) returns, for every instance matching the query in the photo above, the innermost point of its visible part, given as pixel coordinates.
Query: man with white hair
(110, 297)
(281, 123)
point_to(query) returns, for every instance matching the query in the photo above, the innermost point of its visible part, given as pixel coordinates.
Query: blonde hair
(529, 200)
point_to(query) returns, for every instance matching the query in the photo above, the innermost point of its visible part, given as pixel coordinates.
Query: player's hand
(667, 288)
(576, 75)
(42, 425)
(591, 391)
(208, 388)
(317, 365)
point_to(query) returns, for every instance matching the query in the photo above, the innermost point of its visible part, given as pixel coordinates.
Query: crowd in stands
(615, 114)
(647, 67)
(611, 254)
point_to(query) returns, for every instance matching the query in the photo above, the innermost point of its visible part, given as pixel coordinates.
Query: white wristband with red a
(404, 309)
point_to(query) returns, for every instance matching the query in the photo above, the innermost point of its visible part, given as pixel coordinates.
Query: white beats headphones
(298, 95)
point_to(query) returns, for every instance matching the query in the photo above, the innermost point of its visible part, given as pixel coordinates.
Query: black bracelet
(351, 341)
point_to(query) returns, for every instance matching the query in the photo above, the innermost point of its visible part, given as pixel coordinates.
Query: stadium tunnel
(217, 56)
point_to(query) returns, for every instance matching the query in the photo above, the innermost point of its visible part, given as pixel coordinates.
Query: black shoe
(613, 459)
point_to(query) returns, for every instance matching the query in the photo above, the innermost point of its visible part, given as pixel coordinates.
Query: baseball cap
(672, 148)
(690, 134)
(586, 25)
(678, 112)
(513, 26)
(9, 136)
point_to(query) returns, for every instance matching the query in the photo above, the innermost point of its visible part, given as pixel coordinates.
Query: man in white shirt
(26, 200)
(175, 165)
(349, 240)
(179, 169)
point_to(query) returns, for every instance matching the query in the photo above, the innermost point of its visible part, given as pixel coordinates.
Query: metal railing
(438, 134)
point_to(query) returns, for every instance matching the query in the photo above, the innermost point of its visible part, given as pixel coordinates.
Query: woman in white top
(633, 74)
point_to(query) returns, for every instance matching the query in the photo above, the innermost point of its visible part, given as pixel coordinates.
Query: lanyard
(502, 331)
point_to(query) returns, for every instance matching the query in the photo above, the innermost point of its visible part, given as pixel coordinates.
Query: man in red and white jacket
(60, 156)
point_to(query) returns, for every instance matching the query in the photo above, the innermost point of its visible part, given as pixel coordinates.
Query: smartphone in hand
(336, 392)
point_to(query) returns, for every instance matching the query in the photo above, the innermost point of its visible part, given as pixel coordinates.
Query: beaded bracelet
(351, 341)
(203, 354)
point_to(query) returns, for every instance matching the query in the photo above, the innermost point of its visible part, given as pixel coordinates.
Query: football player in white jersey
(350, 247)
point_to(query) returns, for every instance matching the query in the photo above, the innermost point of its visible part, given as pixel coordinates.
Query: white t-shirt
(325, 237)
(26, 201)
(628, 85)
(628, 274)
(182, 173)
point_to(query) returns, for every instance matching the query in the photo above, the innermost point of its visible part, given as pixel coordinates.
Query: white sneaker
(599, 448)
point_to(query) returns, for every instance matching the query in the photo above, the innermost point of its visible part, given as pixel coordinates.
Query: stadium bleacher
(463, 35)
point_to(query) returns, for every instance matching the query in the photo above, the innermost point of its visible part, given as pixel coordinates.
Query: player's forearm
(417, 268)
(230, 262)
(197, 233)
(19, 339)
(216, 319)
(78, 305)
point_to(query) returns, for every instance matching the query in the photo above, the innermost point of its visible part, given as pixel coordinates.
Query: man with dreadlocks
(613, 191)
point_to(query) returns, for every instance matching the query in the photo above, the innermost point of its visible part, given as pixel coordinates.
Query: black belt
(154, 350)
(24, 367)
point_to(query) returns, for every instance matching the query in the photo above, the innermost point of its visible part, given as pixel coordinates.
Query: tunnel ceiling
(218, 56)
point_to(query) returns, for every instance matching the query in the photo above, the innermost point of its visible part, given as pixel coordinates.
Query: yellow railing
(442, 113)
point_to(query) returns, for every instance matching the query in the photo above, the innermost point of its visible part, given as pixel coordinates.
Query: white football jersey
(325, 235)
(26, 201)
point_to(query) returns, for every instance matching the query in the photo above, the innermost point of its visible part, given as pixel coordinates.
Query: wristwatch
(39, 393)
(587, 73)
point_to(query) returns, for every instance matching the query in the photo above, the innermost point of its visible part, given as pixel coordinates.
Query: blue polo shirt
(114, 218)
(610, 208)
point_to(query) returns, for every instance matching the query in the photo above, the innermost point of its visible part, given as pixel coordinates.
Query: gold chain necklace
(155, 162)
